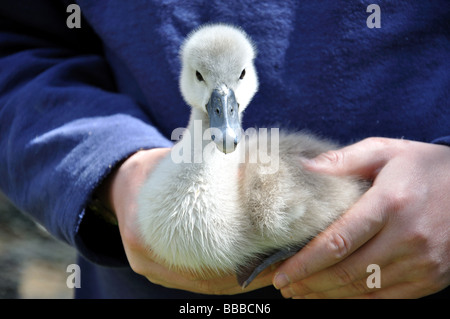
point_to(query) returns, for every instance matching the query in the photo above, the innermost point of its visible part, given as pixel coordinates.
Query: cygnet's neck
(197, 139)
(198, 122)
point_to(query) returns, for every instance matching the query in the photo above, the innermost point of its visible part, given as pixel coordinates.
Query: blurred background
(32, 263)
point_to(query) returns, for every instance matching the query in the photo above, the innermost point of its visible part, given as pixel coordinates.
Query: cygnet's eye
(242, 74)
(199, 76)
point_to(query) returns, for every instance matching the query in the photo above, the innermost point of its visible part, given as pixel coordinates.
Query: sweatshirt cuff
(445, 140)
(93, 237)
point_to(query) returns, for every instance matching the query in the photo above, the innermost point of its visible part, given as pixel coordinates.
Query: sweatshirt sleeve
(62, 125)
(445, 140)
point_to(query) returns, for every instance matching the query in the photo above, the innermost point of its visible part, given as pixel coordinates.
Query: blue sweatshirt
(75, 102)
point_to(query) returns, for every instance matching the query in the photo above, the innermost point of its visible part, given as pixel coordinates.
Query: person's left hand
(402, 224)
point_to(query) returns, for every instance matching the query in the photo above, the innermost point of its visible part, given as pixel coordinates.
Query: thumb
(364, 158)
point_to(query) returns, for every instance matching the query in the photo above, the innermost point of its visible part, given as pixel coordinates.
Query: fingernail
(281, 280)
(308, 162)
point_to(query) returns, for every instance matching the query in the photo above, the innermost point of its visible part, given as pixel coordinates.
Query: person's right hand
(122, 188)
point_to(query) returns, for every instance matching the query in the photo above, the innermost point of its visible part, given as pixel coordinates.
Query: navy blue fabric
(75, 102)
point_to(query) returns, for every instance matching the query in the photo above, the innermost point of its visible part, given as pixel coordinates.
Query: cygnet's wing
(246, 273)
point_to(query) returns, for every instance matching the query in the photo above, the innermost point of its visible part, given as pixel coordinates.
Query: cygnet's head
(218, 77)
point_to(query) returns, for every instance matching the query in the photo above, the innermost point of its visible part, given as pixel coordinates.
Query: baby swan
(208, 208)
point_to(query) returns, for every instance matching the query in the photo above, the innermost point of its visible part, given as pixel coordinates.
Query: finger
(365, 282)
(347, 278)
(161, 275)
(358, 288)
(364, 158)
(350, 276)
(400, 291)
(363, 221)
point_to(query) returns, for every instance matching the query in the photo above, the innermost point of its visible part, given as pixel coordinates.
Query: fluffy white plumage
(219, 215)
(219, 53)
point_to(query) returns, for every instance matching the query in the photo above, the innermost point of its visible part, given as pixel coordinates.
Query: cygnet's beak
(224, 121)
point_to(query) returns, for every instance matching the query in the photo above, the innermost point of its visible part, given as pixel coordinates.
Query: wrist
(122, 186)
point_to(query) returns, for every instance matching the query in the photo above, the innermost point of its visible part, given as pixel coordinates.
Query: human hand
(123, 188)
(402, 224)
